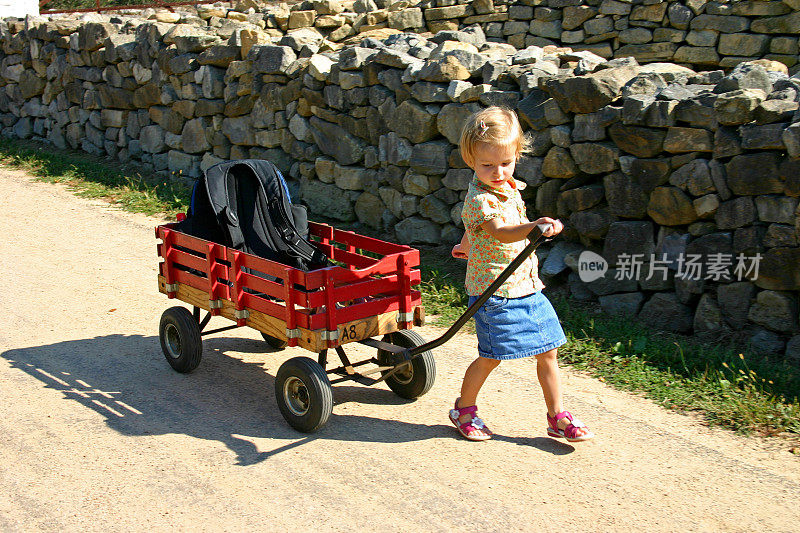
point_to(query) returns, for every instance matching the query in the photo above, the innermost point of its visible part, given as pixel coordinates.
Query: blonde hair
(496, 126)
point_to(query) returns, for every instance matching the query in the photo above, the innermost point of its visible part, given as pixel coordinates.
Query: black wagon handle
(535, 238)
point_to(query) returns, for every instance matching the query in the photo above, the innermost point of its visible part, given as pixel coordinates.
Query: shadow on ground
(127, 380)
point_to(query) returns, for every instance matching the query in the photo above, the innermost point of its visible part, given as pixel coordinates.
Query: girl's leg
(474, 377)
(550, 380)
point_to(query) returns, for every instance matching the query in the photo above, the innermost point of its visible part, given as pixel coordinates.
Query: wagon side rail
(367, 292)
(376, 261)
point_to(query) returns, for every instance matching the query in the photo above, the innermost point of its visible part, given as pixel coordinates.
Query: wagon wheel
(417, 376)
(304, 394)
(179, 334)
(274, 342)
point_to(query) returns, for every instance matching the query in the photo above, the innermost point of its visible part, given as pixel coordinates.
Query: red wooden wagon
(367, 293)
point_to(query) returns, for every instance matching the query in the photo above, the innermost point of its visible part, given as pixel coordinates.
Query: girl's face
(494, 165)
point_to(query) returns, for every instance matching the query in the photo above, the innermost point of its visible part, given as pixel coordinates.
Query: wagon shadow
(227, 399)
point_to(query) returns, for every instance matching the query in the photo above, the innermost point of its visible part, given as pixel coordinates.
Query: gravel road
(97, 433)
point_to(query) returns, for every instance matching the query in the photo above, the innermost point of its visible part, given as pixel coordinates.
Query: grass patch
(740, 391)
(442, 286)
(94, 177)
(735, 389)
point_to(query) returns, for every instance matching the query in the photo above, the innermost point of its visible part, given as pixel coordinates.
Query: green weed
(94, 177)
(442, 287)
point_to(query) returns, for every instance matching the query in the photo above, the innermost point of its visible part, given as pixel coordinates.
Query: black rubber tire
(421, 373)
(273, 342)
(181, 343)
(304, 394)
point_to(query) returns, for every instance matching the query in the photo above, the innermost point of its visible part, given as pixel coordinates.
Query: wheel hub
(173, 341)
(404, 374)
(295, 395)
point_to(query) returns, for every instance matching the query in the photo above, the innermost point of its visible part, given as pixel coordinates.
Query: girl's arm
(461, 250)
(518, 232)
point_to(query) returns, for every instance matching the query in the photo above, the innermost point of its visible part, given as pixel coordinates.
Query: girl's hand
(556, 226)
(461, 250)
(458, 252)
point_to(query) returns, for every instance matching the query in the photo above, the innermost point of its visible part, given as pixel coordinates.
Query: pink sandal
(475, 424)
(571, 431)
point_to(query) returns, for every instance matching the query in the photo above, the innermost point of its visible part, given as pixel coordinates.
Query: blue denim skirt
(512, 328)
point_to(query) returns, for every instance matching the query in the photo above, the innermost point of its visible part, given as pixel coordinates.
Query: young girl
(518, 320)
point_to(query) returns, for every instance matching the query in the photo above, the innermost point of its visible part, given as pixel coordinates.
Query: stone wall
(695, 32)
(674, 170)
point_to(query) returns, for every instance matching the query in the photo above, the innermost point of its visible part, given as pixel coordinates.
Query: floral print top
(488, 256)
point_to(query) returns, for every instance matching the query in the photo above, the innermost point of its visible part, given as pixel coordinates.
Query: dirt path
(97, 433)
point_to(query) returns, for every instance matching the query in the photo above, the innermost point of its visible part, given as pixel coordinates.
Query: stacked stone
(386, 125)
(696, 33)
(386, 116)
(154, 92)
(681, 164)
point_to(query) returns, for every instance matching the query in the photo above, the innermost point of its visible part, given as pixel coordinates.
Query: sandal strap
(469, 410)
(563, 414)
(552, 421)
(571, 431)
(577, 423)
(476, 424)
(455, 414)
(574, 422)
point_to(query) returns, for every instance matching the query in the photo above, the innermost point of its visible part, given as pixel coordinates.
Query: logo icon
(591, 266)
